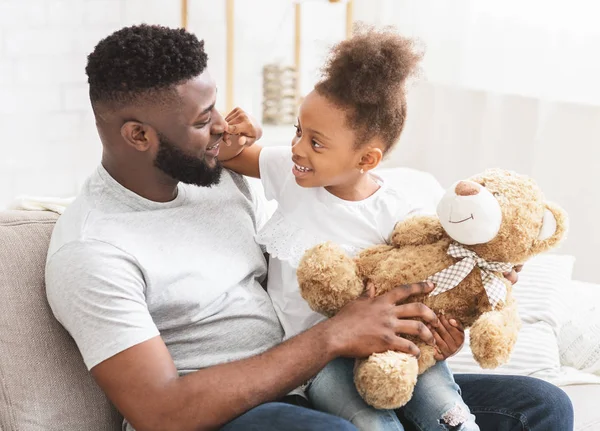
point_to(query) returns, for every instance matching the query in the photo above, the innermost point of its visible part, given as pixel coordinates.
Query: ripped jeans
(436, 403)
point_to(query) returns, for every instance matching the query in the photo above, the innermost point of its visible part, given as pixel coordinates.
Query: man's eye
(202, 125)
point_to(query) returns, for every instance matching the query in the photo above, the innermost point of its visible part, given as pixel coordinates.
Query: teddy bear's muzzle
(469, 213)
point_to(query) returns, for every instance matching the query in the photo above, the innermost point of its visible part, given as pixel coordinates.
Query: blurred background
(510, 84)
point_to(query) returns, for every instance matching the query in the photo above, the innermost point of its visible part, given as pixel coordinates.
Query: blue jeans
(499, 403)
(515, 403)
(436, 403)
(286, 417)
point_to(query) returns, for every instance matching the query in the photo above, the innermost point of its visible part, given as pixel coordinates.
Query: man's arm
(143, 382)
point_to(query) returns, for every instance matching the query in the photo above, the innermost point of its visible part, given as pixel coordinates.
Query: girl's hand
(513, 276)
(449, 338)
(242, 131)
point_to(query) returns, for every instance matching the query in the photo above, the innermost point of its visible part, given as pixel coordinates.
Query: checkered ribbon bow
(450, 277)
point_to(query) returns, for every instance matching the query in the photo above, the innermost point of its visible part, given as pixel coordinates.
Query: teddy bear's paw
(427, 358)
(327, 279)
(386, 380)
(492, 340)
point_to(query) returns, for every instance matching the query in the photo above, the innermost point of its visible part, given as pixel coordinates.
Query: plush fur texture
(418, 248)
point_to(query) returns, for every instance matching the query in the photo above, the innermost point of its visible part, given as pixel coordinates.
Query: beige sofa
(43, 382)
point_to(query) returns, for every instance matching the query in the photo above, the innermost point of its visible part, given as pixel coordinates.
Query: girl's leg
(437, 404)
(333, 391)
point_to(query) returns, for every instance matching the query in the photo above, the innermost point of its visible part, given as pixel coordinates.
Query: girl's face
(324, 151)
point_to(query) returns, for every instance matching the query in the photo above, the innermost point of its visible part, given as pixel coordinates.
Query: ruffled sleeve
(288, 242)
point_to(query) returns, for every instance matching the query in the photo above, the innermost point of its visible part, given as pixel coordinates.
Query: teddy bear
(485, 225)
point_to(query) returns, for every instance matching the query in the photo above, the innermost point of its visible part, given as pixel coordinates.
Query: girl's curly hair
(365, 76)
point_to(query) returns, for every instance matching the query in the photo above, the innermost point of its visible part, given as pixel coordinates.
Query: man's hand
(513, 276)
(144, 384)
(372, 325)
(242, 131)
(449, 338)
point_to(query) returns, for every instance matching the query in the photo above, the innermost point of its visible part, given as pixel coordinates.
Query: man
(155, 273)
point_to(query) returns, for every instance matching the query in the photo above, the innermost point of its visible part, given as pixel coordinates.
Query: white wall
(49, 144)
(507, 84)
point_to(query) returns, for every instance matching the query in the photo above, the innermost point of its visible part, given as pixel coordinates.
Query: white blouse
(306, 217)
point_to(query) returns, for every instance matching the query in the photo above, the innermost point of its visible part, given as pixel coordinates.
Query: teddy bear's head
(502, 216)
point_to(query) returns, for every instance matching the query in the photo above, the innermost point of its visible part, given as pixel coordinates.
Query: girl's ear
(370, 159)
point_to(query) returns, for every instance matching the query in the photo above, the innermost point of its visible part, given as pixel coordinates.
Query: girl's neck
(366, 186)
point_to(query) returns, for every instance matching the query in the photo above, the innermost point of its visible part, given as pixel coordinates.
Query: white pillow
(539, 299)
(418, 186)
(579, 336)
(579, 341)
(540, 290)
(535, 354)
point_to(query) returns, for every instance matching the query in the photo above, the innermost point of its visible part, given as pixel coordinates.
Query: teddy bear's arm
(328, 279)
(418, 230)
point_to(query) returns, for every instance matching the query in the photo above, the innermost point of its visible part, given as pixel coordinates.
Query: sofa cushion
(44, 384)
(585, 405)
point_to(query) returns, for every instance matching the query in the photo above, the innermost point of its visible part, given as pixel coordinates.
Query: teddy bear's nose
(466, 188)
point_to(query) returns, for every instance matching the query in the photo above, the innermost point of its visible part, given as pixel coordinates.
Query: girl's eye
(315, 144)
(298, 131)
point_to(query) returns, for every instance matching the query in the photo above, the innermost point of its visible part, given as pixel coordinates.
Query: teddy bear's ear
(553, 230)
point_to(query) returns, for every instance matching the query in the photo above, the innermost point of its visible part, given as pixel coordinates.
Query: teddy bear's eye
(497, 194)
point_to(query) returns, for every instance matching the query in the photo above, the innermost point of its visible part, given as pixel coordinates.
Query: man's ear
(553, 230)
(137, 135)
(370, 158)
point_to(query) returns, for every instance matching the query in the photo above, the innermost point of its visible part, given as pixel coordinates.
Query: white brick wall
(43, 100)
(48, 142)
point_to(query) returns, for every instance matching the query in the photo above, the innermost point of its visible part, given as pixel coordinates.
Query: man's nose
(218, 125)
(467, 188)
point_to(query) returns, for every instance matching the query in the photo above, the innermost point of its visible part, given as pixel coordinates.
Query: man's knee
(556, 401)
(550, 406)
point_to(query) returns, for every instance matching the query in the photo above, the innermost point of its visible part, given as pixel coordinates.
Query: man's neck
(149, 183)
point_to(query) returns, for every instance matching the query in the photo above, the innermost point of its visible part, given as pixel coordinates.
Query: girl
(326, 191)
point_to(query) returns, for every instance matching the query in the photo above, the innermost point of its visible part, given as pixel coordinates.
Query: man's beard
(185, 168)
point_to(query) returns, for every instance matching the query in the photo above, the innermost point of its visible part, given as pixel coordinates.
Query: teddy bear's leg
(494, 335)
(427, 358)
(386, 380)
(328, 279)
(418, 230)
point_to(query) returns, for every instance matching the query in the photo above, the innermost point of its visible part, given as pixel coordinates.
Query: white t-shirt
(306, 217)
(122, 269)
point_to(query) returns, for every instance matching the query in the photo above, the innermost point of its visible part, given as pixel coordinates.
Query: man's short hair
(140, 60)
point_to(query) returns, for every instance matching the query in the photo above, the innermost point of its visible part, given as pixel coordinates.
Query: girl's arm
(238, 152)
(246, 162)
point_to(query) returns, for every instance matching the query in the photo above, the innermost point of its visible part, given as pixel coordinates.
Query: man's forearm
(143, 382)
(211, 397)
